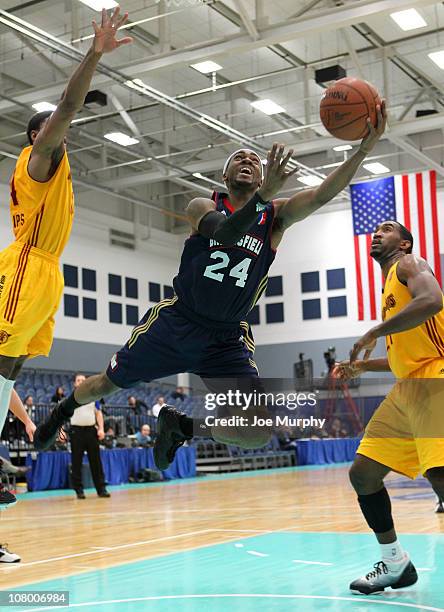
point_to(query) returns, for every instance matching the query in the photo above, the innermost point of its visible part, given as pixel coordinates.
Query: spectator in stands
(85, 436)
(28, 403)
(286, 438)
(58, 395)
(337, 429)
(137, 405)
(143, 436)
(109, 440)
(160, 403)
(178, 394)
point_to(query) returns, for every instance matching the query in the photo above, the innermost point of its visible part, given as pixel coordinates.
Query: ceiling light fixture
(121, 139)
(206, 67)
(98, 5)
(376, 168)
(438, 58)
(268, 107)
(409, 19)
(311, 180)
(343, 148)
(44, 106)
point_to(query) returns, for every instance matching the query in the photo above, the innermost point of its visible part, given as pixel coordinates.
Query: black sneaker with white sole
(169, 437)
(439, 508)
(7, 499)
(382, 577)
(6, 556)
(47, 432)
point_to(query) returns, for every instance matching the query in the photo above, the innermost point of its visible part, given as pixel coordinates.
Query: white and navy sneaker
(382, 577)
(6, 556)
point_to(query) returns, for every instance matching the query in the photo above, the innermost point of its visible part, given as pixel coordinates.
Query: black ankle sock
(68, 405)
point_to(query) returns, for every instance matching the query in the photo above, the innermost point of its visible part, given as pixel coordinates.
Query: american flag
(411, 200)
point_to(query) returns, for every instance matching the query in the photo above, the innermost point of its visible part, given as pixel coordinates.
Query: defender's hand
(105, 39)
(100, 434)
(375, 133)
(346, 371)
(275, 172)
(366, 343)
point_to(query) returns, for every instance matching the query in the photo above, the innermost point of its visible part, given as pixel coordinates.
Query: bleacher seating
(211, 456)
(215, 457)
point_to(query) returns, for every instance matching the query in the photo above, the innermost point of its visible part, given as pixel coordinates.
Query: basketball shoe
(169, 437)
(395, 575)
(47, 432)
(6, 556)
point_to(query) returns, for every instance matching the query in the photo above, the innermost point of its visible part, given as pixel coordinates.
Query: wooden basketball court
(263, 540)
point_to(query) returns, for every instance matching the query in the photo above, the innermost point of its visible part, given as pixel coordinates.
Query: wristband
(260, 203)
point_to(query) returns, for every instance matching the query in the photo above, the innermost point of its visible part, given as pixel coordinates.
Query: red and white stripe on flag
(368, 280)
(417, 209)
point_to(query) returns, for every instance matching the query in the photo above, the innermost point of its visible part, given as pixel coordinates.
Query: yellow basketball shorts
(31, 286)
(406, 432)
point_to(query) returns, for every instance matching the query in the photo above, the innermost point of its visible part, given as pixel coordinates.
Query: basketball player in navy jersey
(222, 274)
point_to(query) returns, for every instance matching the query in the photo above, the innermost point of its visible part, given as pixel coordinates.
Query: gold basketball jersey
(42, 213)
(412, 349)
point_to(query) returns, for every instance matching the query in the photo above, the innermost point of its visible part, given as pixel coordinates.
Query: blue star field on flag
(372, 203)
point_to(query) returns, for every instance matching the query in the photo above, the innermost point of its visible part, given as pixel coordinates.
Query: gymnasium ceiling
(188, 122)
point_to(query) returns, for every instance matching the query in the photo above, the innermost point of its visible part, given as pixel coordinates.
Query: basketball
(345, 107)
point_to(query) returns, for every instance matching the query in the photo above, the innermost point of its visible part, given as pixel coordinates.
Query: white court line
(120, 546)
(356, 599)
(310, 562)
(256, 554)
(99, 549)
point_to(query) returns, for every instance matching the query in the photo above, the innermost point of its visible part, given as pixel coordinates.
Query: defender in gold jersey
(42, 210)
(406, 432)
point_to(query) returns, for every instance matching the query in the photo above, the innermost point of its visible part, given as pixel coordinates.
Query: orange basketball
(345, 107)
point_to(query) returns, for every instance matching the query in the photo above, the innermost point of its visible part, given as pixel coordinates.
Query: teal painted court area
(271, 572)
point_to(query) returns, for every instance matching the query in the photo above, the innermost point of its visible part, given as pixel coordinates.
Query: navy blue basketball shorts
(165, 342)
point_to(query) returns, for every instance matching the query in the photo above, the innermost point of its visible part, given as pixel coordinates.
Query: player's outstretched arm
(228, 230)
(303, 204)
(17, 408)
(48, 148)
(427, 301)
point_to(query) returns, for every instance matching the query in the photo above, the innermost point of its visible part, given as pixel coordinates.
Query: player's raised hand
(375, 133)
(366, 343)
(276, 173)
(105, 39)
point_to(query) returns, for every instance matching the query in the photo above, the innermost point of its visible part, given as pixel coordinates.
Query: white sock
(6, 387)
(393, 553)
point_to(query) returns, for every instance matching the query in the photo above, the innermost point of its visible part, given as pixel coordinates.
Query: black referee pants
(85, 439)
